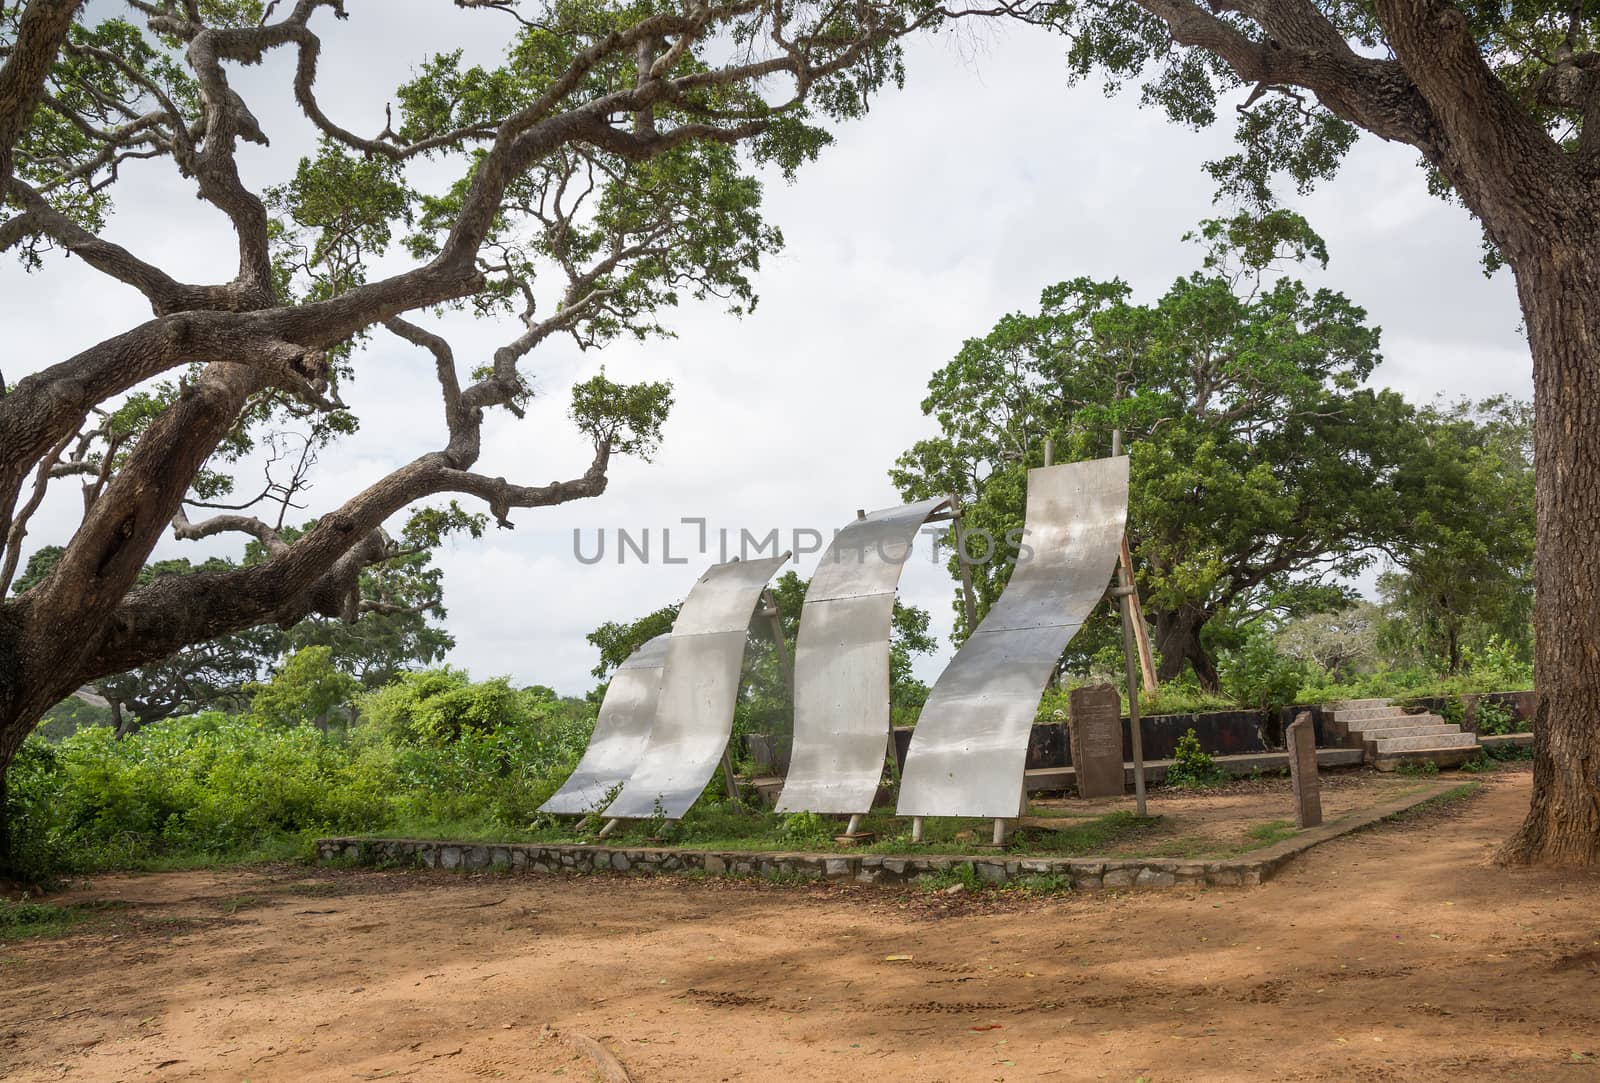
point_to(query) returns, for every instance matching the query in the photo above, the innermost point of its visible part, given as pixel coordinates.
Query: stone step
(1373, 726)
(1425, 743)
(1439, 728)
(1354, 704)
(1361, 713)
(1439, 757)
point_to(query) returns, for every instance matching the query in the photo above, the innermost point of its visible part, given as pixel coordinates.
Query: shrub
(1494, 717)
(215, 785)
(1258, 675)
(807, 827)
(437, 706)
(1192, 766)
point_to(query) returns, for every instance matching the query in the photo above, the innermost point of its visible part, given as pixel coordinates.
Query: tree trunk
(1560, 293)
(1178, 642)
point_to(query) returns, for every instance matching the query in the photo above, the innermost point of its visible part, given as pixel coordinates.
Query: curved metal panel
(868, 554)
(699, 688)
(970, 746)
(620, 731)
(841, 664)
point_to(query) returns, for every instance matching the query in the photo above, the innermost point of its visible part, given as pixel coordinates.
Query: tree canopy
(596, 175)
(1261, 467)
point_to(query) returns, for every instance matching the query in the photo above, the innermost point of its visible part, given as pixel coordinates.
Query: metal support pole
(916, 829)
(1049, 450)
(855, 825)
(611, 825)
(999, 831)
(1130, 655)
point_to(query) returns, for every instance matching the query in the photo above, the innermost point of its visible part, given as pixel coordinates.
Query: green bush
(1495, 718)
(215, 785)
(1259, 675)
(807, 827)
(1192, 766)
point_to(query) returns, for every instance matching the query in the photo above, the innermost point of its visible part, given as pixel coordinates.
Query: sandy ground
(1400, 953)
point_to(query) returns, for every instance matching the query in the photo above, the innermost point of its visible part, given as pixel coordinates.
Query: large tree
(1463, 568)
(1502, 103)
(1259, 469)
(400, 599)
(600, 179)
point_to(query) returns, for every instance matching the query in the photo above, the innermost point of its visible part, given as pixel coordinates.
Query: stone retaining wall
(1081, 873)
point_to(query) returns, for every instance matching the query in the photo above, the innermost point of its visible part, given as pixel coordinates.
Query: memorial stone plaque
(1301, 740)
(1095, 728)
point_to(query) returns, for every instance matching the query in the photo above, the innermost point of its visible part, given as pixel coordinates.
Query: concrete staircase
(1391, 737)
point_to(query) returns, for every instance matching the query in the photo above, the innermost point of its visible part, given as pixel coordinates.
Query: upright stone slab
(1094, 726)
(1301, 741)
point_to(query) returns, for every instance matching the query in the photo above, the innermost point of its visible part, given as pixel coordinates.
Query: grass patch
(24, 920)
(1273, 831)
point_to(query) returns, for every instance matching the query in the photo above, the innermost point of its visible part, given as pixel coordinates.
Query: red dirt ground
(1399, 953)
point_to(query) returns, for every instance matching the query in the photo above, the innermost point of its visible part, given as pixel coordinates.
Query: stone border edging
(1083, 873)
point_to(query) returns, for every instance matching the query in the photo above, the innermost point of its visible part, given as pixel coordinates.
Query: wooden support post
(1125, 590)
(785, 660)
(1147, 660)
(968, 597)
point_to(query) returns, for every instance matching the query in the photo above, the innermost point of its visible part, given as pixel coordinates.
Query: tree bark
(1178, 642)
(1560, 296)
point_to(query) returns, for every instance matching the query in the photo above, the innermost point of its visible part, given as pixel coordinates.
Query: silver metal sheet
(699, 689)
(725, 596)
(841, 723)
(841, 665)
(970, 746)
(620, 732)
(867, 555)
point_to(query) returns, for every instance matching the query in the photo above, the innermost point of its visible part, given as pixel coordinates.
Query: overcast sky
(954, 201)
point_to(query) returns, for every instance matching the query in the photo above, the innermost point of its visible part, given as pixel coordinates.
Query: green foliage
(1495, 718)
(626, 418)
(1418, 769)
(964, 874)
(1271, 832)
(211, 785)
(437, 706)
(1258, 459)
(70, 716)
(1191, 766)
(306, 690)
(21, 919)
(1258, 675)
(802, 828)
(1463, 572)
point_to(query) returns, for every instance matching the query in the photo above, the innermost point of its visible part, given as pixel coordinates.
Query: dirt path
(1397, 954)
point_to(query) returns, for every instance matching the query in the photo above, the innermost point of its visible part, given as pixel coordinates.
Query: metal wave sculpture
(841, 664)
(970, 746)
(620, 732)
(699, 688)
